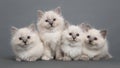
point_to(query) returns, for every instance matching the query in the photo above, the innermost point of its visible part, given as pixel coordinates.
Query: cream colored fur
(98, 48)
(70, 48)
(50, 34)
(32, 50)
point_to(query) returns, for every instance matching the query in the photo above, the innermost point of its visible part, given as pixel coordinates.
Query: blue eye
(28, 37)
(77, 34)
(88, 36)
(46, 20)
(54, 19)
(20, 38)
(95, 38)
(70, 33)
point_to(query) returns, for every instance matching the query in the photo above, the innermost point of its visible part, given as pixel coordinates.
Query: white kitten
(71, 45)
(95, 45)
(26, 43)
(50, 25)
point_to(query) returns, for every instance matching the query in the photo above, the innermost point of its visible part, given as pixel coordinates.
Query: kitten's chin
(93, 46)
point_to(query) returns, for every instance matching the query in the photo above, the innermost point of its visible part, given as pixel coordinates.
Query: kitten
(71, 45)
(50, 25)
(26, 43)
(95, 45)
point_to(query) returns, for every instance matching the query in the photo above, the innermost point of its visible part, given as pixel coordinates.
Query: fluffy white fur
(50, 34)
(71, 45)
(98, 47)
(32, 50)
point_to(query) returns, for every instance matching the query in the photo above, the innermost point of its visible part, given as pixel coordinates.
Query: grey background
(99, 13)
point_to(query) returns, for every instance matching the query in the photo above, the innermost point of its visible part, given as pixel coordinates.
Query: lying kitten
(50, 25)
(95, 45)
(26, 43)
(71, 45)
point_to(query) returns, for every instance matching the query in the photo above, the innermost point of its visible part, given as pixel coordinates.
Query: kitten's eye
(95, 38)
(46, 20)
(54, 19)
(28, 37)
(88, 36)
(70, 33)
(20, 38)
(77, 34)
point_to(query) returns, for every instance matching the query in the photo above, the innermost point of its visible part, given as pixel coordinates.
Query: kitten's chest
(52, 36)
(90, 53)
(71, 51)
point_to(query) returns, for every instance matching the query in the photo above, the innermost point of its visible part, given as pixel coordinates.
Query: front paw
(46, 58)
(18, 59)
(66, 58)
(59, 58)
(85, 58)
(31, 59)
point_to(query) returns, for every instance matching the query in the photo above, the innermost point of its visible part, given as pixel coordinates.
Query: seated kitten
(95, 45)
(50, 25)
(26, 43)
(71, 45)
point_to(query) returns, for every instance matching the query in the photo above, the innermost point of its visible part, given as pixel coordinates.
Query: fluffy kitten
(26, 43)
(71, 45)
(50, 25)
(95, 45)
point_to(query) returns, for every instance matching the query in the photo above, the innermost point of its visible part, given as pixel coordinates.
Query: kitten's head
(23, 36)
(94, 38)
(50, 19)
(73, 34)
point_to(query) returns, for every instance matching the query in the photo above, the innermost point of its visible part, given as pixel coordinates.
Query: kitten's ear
(13, 30)
(85, 27)
(66, 24)
(103, 33)
(40, 13)
(58, 10)
(32, 27)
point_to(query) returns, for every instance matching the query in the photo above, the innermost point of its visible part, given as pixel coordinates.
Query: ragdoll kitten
(95, 45)
(50, 25)
(26, 43)
(71, 45)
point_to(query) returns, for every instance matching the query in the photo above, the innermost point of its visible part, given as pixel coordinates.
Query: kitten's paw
(18, 59)
(31, 59)
(85, 58)
(59, 58)
(66, 58)
(46, 58)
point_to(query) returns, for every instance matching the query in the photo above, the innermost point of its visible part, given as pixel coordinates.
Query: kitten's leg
(59, 55)
(66, 57)
(47, 53)
(84, 57)
(32, 58)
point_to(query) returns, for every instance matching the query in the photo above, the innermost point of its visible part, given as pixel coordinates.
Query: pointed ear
(103, 33)
(32, 27)
(85, 27)
(13, 30)
(40, 13)
(58, 10)
(67, 24)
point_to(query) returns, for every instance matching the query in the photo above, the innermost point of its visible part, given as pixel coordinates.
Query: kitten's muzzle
(74, 37)
(51, 24)
(25, 42)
